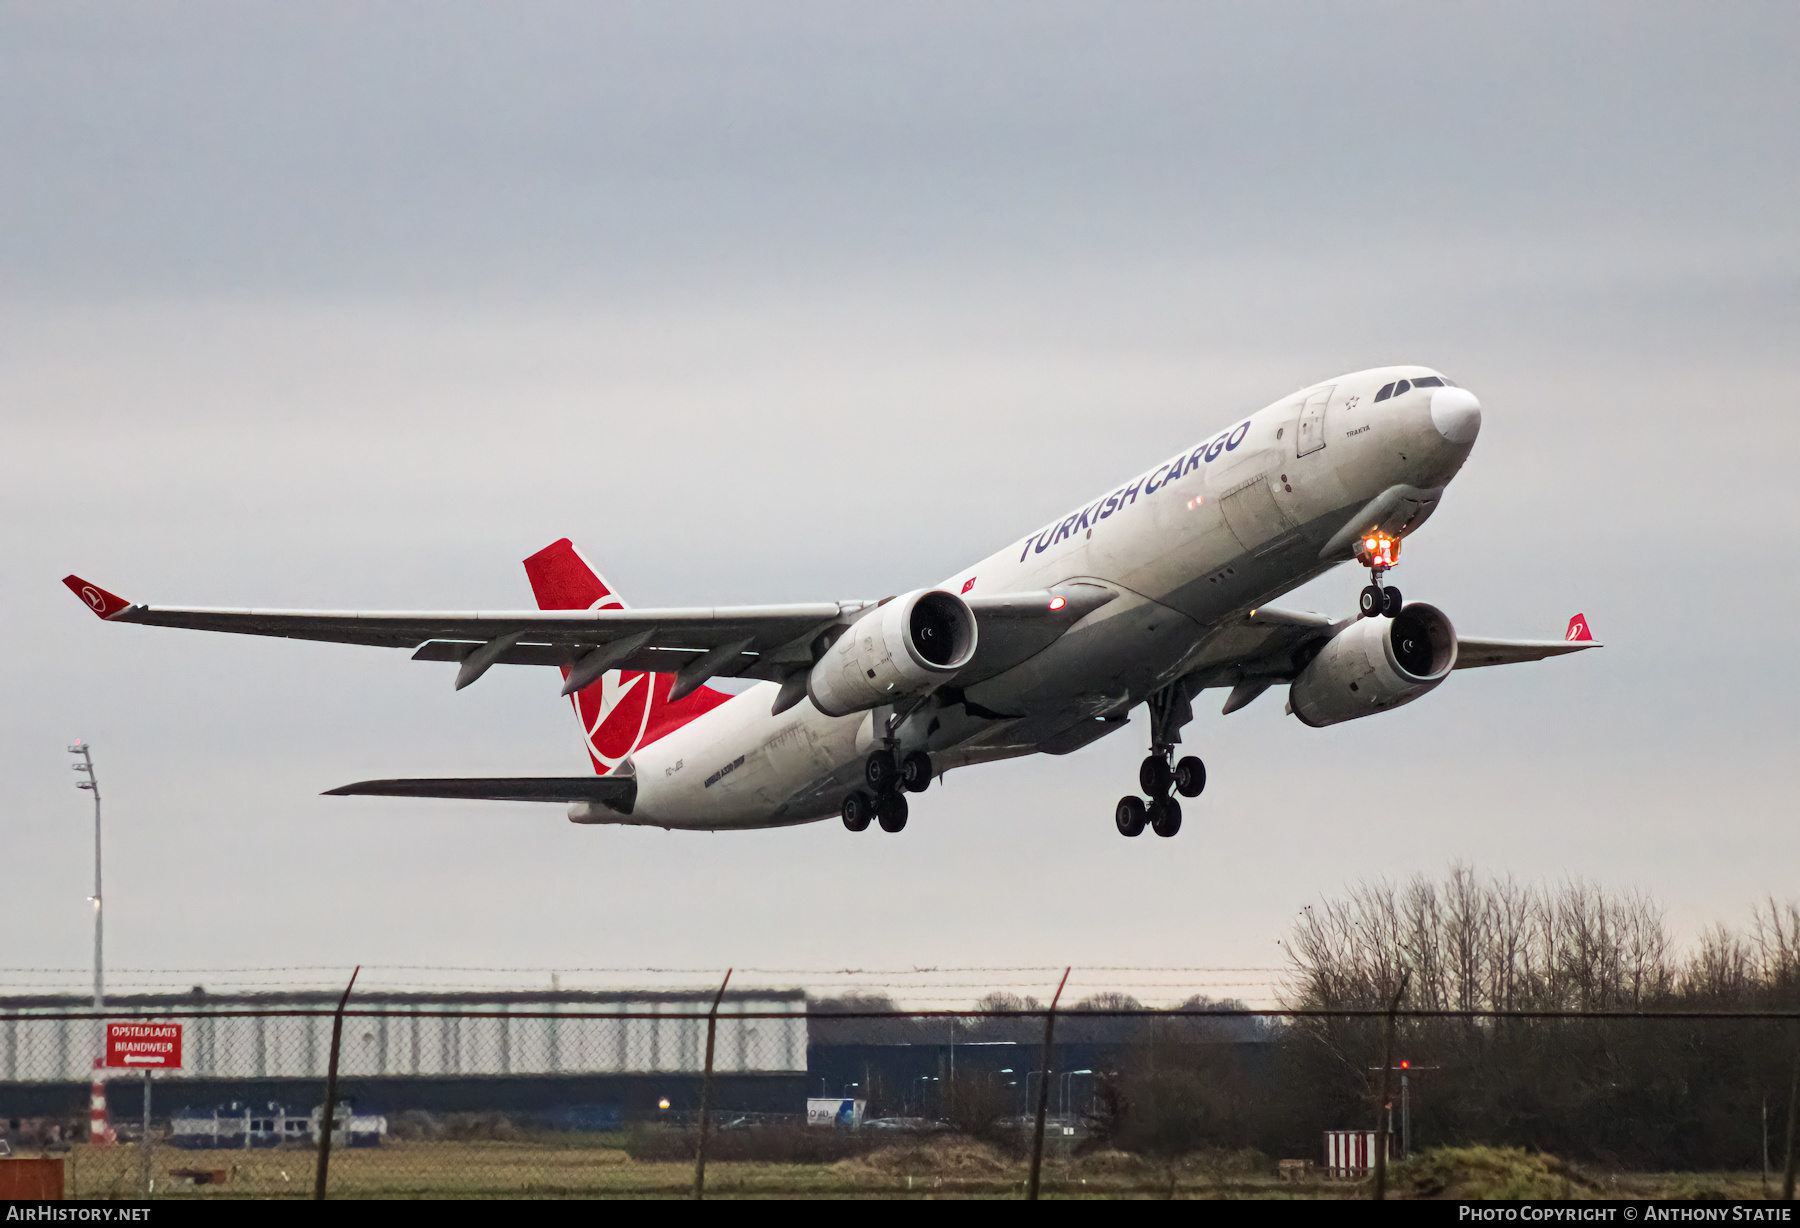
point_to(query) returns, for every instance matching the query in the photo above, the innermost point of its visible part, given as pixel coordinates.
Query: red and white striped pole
(100, 1129)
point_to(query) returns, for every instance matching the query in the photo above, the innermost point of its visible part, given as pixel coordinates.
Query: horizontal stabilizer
(615, 792)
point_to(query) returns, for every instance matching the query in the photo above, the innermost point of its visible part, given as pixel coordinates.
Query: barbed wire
(940, 987)
(1039, 1012)
(917, 969)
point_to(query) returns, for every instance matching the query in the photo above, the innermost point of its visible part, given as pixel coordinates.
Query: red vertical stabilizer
(624, 709)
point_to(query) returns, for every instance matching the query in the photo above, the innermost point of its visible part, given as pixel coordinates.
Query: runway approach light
(663, 1103)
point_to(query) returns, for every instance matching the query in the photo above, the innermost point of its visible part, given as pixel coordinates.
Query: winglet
(103, 603)
(1578, 629)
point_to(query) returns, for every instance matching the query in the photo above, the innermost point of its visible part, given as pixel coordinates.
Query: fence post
(331, 1069)
(1384, 1108)
(144, 1143)
(1787, 1179)
(712, 1031)
(1037, 1135)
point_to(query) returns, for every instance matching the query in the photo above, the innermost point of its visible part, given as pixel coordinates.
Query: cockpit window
(1399, 386)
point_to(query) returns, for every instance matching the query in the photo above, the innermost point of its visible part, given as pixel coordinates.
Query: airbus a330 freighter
(1147, 595)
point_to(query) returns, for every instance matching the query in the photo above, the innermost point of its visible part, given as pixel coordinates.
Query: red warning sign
(155, 1046)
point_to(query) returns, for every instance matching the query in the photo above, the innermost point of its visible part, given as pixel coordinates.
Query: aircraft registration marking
(723, 772)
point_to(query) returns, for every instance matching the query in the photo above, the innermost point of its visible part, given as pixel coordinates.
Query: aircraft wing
(1474, 651)
(657, 640)
(770, 642)
(1269, 646)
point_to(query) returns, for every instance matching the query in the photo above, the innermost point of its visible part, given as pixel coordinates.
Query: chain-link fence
(775, 1092)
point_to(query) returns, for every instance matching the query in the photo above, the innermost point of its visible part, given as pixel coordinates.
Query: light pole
(1405, 1113)
(1068, 1090)
(85, 765)
(923, 1081)
(1405, 1069)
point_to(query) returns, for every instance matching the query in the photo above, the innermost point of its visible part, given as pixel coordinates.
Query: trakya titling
(1148, 484)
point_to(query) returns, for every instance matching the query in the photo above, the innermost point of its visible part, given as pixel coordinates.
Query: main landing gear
(1170, 709)
(889, 780)
(1380, 554)
(1162, 813)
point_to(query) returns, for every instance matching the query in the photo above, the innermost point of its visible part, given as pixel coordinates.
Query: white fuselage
(1186, 547)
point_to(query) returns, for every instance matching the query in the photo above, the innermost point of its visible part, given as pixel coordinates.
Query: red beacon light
(1057, 603)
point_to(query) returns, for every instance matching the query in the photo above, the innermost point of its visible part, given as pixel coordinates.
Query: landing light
(1378, 550)
(663, 1103)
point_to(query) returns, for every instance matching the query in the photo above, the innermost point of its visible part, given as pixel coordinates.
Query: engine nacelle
(1374, 665)
(902, 649)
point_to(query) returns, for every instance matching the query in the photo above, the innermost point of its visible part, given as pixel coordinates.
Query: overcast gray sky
(356, 305)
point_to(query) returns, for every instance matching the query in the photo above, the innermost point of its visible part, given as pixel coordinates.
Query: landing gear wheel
(859, 808)
(1190, 777)
(1371, 601)
(1128, 816)
(915, 772)
(1154, 776)
(880, 771)
(1165, 816)
(893, 812)
(1390, 602)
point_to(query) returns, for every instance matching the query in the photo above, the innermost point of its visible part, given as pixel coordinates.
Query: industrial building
(597, 1055)
(570, 1058)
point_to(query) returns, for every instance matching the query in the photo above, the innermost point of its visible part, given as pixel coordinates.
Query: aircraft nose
(1457, 414)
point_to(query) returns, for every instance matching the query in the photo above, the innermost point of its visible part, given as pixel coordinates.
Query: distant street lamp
(922, 1080)
(92, 784)
(1068, 1090)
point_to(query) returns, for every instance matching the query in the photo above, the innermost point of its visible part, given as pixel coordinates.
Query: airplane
(1147, 594)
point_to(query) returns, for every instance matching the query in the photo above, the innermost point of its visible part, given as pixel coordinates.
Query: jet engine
(1375, 664)
(902, 649)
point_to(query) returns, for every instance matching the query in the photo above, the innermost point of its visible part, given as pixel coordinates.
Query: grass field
(933, 1169)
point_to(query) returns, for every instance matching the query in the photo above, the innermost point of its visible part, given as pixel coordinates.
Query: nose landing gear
(1170, 709)
(1380, 554)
